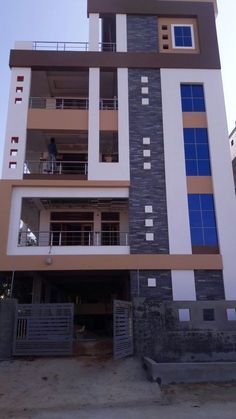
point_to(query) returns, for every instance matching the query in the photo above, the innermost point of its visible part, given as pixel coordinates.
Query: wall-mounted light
(48, 260)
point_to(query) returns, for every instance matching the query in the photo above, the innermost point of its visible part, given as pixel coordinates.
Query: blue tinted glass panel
(207, 202)
(210, 237)
(186, 31)
(189, 135)
(190, 151)
(197, 236)
(192, 98)
(178, 30)
(201, 135)
(188, 42)
(186, 90)
(208, 219)
(197, 91)
(202, 151)
(195, 219)
(191, 168)
(187, 105)
(198, 105)
(204, 168)
(194, 202)
(179, 42)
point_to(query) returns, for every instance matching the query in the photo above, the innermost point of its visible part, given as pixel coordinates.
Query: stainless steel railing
(70, 103)
(58, 167)
(71, 46)
(58, 103)
(73, 238)
(60, 46)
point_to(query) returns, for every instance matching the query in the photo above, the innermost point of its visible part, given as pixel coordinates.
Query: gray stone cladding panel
(142, 34)
(139, 285)
(209, 285)
(160, 335)
(147, 186)
(7, 319)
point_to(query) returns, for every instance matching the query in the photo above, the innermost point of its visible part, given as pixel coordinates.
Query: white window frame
(189, 25)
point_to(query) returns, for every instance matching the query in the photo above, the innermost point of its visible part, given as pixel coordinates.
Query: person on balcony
(52, 155)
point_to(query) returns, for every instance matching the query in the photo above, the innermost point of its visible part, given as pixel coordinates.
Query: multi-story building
(232, 140)
(139, 200)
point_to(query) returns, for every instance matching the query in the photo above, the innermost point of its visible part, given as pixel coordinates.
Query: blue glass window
(202, 220)
(192, 96)
(183, 37)
(197, 156)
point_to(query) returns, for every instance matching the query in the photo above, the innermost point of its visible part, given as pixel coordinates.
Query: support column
(93, 123)
(121, 33)
(94, 25)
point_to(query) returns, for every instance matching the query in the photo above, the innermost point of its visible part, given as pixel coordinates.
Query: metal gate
(43, 329)
(122, 329)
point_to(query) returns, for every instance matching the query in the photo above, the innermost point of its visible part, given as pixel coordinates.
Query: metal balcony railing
(107, 46)
(71, 46)
(70, 103)
(60, 46)
(58, 103)
(57, 167)
(108, 104)
(73, 238)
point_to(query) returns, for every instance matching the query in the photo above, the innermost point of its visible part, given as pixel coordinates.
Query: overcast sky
(58, 20)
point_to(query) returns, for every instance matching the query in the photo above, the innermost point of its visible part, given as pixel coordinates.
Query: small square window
(145, 101)
(182, 36)
(184, 315)
(146, 140)
(145, 90)
(146, 153)
(14, 140)
(208, 314)
(20, 78)
(164, 37)
(148, 209)
(149, 222)
(13, 152)
(18, 100)
(12, 165)
(165, 46)
(19, 89)
(149, 237)
(152, 282)
(164, 27)
(147, 166)
(231, 314)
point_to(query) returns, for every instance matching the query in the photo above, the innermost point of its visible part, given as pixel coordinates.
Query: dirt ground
(94, 388)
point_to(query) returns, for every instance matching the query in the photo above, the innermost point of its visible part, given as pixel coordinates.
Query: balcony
(73, 238)
(71, 46)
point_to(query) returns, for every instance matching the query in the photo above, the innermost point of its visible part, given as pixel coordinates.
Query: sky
(58, 20)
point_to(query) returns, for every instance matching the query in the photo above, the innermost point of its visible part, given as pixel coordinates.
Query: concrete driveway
(87, 388)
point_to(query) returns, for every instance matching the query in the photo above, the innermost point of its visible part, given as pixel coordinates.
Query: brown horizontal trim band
(210, 250)
(71, 60)
(108, 262)
(59, 183)
(150, 7)
(199, 184)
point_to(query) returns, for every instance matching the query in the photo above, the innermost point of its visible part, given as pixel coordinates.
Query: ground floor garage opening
(92, 294)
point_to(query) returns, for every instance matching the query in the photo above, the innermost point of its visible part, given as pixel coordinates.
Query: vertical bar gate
(122, 329)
